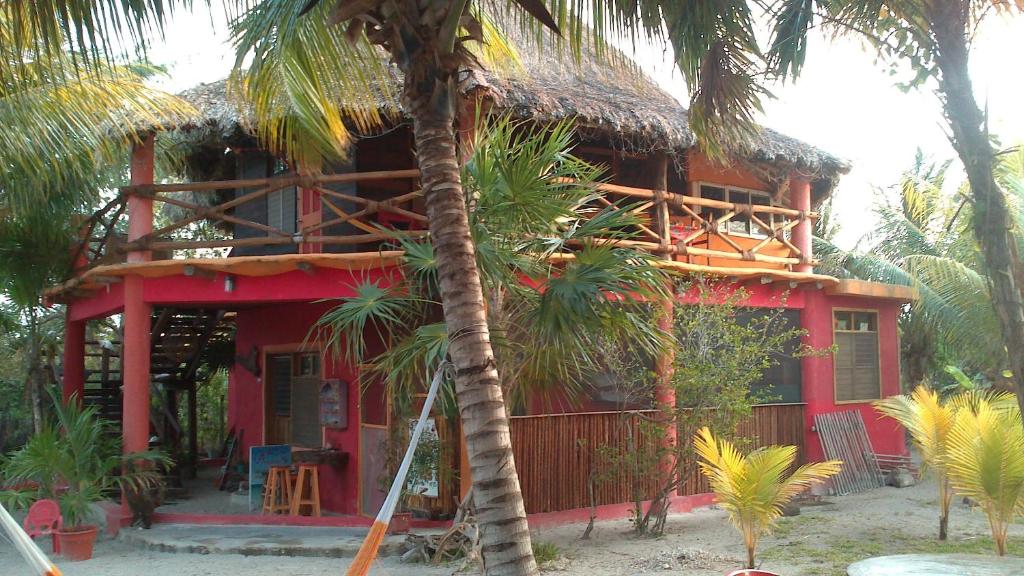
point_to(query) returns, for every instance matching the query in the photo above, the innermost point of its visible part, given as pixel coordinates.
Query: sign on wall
(334, 404)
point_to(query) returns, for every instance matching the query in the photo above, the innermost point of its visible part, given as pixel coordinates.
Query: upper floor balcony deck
(270, 221)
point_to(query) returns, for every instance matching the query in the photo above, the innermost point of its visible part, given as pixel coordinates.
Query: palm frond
(985, 462)
(754, 488)
(374, 309)
(304, 79)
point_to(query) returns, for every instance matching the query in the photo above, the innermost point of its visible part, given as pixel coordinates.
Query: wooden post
(800, 199)
(193, 430)
(664, 393)
(74, 359)
(137, 312)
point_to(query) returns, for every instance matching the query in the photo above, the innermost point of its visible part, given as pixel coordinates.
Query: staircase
(178, 339)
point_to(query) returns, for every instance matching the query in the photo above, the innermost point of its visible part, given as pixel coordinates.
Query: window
(293, 401)
(856, 357)
(281, 213)
(739, 224)
(782, 381)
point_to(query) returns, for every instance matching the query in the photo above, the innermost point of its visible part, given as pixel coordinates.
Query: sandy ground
(823, 540)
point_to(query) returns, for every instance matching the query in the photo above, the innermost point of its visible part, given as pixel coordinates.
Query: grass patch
(831, 557)
(545, 552)
(786, 526)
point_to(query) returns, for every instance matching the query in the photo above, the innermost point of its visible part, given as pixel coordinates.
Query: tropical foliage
(985, 462)
(721, 351)
(77, 461)
(924, 239)
(754, 488)
(930, 420)
(933, 40)
(65, 139)
(534, 216)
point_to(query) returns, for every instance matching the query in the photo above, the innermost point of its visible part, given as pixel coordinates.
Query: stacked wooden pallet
(844, 437)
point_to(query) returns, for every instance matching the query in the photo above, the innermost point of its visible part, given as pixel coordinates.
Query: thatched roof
(611, 101)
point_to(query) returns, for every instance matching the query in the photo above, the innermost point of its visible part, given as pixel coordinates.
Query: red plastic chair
(44, 519)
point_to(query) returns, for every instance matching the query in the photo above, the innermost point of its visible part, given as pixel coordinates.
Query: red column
(817, 388)
(74, 359)
(800, 199)
(137, 312)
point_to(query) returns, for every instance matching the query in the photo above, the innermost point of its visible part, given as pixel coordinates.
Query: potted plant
(78, 462)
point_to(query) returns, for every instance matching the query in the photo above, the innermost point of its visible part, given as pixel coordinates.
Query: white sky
(843, 102)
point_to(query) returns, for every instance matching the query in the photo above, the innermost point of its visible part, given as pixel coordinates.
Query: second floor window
(740, 223)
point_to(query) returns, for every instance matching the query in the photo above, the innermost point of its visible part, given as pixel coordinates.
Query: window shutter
(281, 210)
(865, 365)
(857, 366)
(281, 381)
(844, 367)
(305, 406)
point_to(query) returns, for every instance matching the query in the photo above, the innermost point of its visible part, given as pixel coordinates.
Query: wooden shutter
(305, 404)
(279, 404)
(856, 366)
(865, 366)
(281, 210)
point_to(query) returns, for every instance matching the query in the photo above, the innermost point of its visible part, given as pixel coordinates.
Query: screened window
(856, 356)
(740, 223)
(782, 381)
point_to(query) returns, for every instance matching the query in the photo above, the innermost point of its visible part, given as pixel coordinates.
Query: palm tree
(985, 462)
(933, 37)
(533, 214)
(755, 488)
(302, 50)
(930, 421)
(924, 239)
(64, 140)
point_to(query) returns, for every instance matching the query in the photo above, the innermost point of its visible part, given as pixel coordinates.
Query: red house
(252, 247)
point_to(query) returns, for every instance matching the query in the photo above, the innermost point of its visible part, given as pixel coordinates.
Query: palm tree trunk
(504, 534)
(33, 372)
(970, 139)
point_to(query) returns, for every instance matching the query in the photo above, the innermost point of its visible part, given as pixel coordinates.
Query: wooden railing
(216, 224)
(557, 455)
(776, 222)
(103, 244)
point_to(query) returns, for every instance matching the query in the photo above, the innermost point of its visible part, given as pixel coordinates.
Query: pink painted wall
(818, 371)
(282, 325)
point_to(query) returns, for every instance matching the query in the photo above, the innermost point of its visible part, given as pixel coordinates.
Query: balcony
(292, 221)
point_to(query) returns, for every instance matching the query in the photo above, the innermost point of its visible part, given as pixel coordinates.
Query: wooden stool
(277, 491)
(308, 474)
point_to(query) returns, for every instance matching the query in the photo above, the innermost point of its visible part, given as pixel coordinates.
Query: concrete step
(307, 541)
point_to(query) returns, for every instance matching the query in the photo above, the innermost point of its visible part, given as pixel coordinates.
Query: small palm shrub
(754, 488)
(77, 461)
(929, 419)
(985, 462)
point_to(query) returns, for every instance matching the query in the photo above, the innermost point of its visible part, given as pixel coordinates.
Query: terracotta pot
(76, 543)
(400, 523)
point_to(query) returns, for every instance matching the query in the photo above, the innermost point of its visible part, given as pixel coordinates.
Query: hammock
(368, 551)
